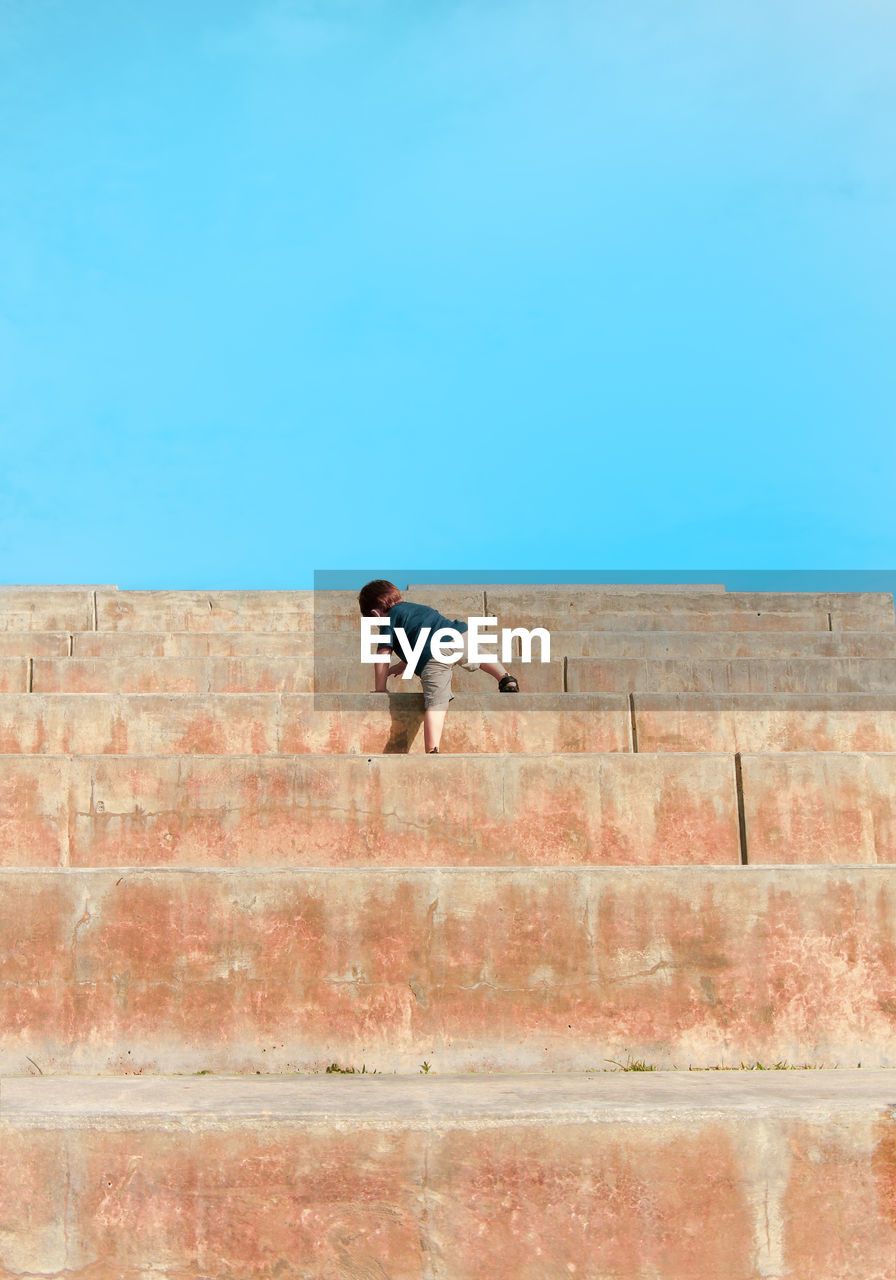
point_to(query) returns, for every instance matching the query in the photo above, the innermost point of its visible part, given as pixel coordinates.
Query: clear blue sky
(536, 284)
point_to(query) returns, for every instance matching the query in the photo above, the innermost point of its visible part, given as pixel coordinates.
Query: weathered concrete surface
(583, 589)
(288, 724)
(345, 644)
(680, 1177)
(469, 969)
(820, 807)
(666, 809)
(204, 610)
(14, 675)
(695, 645)
(570, 610)
(684, 1177)
(46, 608)
(697, 621)
(734, 675)
(34, 810)
(173, 675)
(252, 610)
(239, 675)
(346, 674)
(361, 811)
(292, 610)
(123, 645)
(33, 644)
(574, 644)
(764, 722)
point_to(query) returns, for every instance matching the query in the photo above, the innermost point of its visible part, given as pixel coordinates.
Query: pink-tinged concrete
(694, 645)
(46, 609)
(699, 622)
(498, 969)
(735, 675)
(391, 811)
(347, 674)
(765, 722)
(297, 610)
(14, 675)
(125, 645)
(289, 724)
(534, 723)
(345, 644)
(34, 644)
(680, 1177)
(582, 590)
(34, 810)
(86, 723)
(204, 611)
(243, 1203)
(853, 611)
(173, 675)
(251, 610)
(820, 807)
(240, 675)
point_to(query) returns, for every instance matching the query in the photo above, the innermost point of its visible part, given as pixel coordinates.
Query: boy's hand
(397, 668)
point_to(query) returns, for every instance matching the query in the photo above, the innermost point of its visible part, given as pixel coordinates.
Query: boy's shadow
(405, 721)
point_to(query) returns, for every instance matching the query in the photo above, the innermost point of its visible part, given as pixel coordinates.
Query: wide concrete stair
(281, 996)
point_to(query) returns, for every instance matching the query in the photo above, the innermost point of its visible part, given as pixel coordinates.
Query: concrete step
(251, 610)
(349, 675)
(237, 675)
(698, 620)
(88, 609)
(586, 599)
(651, 645)
(700, 645)
(837, 611)
(472, 969)
(716, 675)
(47, 609)
(819, 807)
(334, 810)
(181, 675)
(618, 809)
(14, 675)
(34, 644)
(561, 608)
(679, 1176)
(758, 722)
(345, 644)
(586, 589)
(125, 645)
(701, 612)
(288, 724)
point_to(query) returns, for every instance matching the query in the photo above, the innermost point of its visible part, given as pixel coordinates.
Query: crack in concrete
(85, 919)
(645, 973)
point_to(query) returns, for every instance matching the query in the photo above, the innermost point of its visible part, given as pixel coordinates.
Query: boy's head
(377, 598)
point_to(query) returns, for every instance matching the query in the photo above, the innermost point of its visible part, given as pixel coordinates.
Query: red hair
(378, 594)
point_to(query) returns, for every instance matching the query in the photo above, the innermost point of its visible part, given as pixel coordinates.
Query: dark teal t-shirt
(413, 618)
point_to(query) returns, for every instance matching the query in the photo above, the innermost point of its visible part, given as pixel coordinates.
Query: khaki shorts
(436, 678)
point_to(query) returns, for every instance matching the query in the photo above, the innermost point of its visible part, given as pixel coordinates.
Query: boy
(381, 599)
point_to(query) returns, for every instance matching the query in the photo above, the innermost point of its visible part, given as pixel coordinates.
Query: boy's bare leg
(433, 723)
